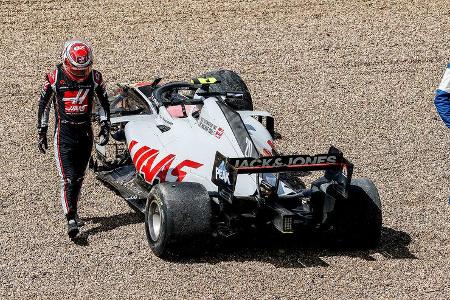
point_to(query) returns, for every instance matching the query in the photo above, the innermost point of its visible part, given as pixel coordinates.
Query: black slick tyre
(230, 81)
(359, 218)
(177, 218)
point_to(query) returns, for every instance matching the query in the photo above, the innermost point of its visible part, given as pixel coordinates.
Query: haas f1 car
(200, 163)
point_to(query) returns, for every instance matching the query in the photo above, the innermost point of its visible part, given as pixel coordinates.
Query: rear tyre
(359, 218)
(177, 218)
(231, 82)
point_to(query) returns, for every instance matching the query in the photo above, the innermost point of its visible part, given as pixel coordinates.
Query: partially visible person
(72, 85)
(442, 98)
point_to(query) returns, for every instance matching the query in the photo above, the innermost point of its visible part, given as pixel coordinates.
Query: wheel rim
(155, 220)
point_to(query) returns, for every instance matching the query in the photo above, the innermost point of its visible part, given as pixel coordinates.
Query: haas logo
(77, 48)
(150, 166)
(76, 102)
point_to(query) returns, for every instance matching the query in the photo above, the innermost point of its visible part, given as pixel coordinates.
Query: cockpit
(180, 99)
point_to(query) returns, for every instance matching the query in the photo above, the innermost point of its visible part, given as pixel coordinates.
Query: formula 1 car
(200, 163)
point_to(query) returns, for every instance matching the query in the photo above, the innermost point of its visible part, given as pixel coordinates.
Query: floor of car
(123, 181)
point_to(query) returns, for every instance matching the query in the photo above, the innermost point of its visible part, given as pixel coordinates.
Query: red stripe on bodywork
(132, 143)
(179, 173)
(139, 153)
(163, 173)
(150, 172)
(141, 84)
(141, 160)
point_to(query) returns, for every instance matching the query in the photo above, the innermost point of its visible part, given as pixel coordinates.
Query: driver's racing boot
(72, 228)
(80, 222)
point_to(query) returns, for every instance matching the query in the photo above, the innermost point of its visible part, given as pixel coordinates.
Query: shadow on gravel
(276, 250)
(106, 224)
(301, 253)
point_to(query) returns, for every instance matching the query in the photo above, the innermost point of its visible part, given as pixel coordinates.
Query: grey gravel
(357, 74)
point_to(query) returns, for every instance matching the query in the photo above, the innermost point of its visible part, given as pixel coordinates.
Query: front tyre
(230, 81)
(177, 218)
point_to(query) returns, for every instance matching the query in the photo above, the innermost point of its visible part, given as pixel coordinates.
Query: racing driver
(442, 98)
(71, 86)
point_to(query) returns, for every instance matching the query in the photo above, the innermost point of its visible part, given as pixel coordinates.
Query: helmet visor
(79, 72)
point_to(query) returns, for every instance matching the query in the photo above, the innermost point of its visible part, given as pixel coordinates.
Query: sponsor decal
(224, 176)
(210, 128)
(151, 166)
(222, 173)
(202, 80)
(76, 48)
(248, 147)
(344, 171)
(76, 102)
(219, 132)
(285, 161)
(166, 121)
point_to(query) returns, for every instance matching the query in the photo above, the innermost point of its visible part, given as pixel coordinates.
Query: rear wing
(337, 168)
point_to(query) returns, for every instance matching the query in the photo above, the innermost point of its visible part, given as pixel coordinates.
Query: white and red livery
(199, 162)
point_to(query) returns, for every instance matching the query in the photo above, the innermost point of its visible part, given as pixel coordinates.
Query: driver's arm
(44, 103)
(100, 91)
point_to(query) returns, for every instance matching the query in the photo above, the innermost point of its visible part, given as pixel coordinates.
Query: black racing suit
(72, 102)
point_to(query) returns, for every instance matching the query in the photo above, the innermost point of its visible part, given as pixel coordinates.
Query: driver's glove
(42, 140)
(104, 133)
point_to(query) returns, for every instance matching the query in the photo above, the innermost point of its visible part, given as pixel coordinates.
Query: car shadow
(106, 224)
(281, 252)
(310, 251)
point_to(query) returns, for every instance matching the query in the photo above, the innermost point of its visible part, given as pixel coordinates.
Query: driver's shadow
(106, 224)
